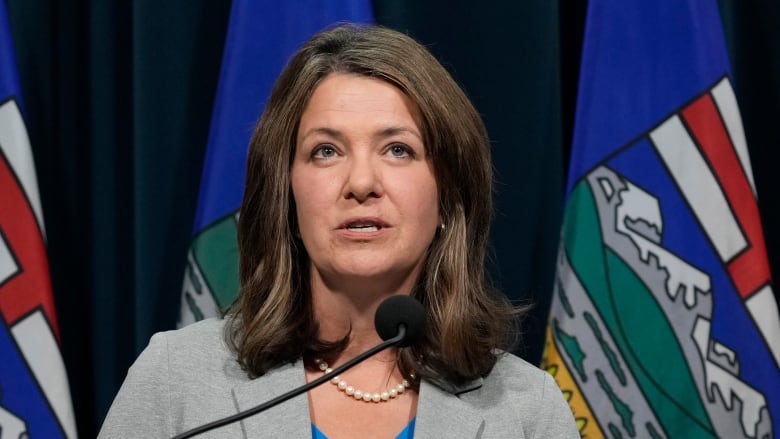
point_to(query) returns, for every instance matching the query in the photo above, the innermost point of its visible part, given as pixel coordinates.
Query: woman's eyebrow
(394, 130)
(331, 132)
(383, 133)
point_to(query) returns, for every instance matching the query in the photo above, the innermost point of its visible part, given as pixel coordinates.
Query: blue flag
(34, 393)
(262, 37)
(663, 322)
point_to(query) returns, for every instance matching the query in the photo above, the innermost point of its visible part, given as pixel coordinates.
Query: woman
(369, 175)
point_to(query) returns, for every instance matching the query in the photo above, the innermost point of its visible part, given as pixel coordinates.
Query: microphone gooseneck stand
(295, 392)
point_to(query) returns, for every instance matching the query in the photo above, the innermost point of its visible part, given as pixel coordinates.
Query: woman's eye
(324, 152)
(401, 151)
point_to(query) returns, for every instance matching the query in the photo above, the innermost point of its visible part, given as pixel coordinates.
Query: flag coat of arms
(34, 394)
(663, 323)
(262, 36)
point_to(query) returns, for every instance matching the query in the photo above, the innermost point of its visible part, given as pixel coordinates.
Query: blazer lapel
(440, 413)
(288, 419)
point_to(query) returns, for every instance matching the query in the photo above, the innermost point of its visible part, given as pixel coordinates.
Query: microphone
(399, 321)
(396, 311)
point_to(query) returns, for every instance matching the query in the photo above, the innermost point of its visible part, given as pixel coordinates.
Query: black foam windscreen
(400, 310)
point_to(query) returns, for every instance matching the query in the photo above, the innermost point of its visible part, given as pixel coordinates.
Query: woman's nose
(363, 180)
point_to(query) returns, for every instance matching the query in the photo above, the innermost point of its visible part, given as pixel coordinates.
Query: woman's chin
(374, 274)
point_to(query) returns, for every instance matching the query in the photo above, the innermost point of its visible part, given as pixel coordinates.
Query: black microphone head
(400, 310)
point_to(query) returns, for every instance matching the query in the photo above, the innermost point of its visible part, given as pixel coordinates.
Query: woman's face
(365, 191)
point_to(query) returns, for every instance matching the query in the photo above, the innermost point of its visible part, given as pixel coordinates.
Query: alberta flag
(34, 394)
(664, 323)
(262, 36)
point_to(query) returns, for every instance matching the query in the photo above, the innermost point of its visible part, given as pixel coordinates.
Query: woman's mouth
(363, 228)
(364, 225)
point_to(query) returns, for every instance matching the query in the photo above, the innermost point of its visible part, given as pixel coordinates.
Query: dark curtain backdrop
(119, 98)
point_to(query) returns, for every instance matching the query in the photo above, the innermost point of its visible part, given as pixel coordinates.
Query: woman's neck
(341, 311)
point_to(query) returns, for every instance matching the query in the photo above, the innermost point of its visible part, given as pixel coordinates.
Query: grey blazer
(188, 377)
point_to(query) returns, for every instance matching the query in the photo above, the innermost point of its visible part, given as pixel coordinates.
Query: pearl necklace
(360, 395)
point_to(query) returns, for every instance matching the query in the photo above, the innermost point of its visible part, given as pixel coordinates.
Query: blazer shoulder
(517, 372)
(531, 395)
(183, 378)
(203, 330)
(200, 350)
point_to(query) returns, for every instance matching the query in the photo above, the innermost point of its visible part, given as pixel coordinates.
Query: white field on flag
(8, 266)
(42, 353)
(762, 306)
(16, 147)
(699, 186)
(726, 101)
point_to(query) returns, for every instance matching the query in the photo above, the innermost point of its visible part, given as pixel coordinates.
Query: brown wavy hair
(272, 322)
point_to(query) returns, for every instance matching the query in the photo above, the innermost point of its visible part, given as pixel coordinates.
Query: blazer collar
(440, 412)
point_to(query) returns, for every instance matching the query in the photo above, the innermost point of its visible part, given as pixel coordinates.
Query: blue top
(406, 433)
